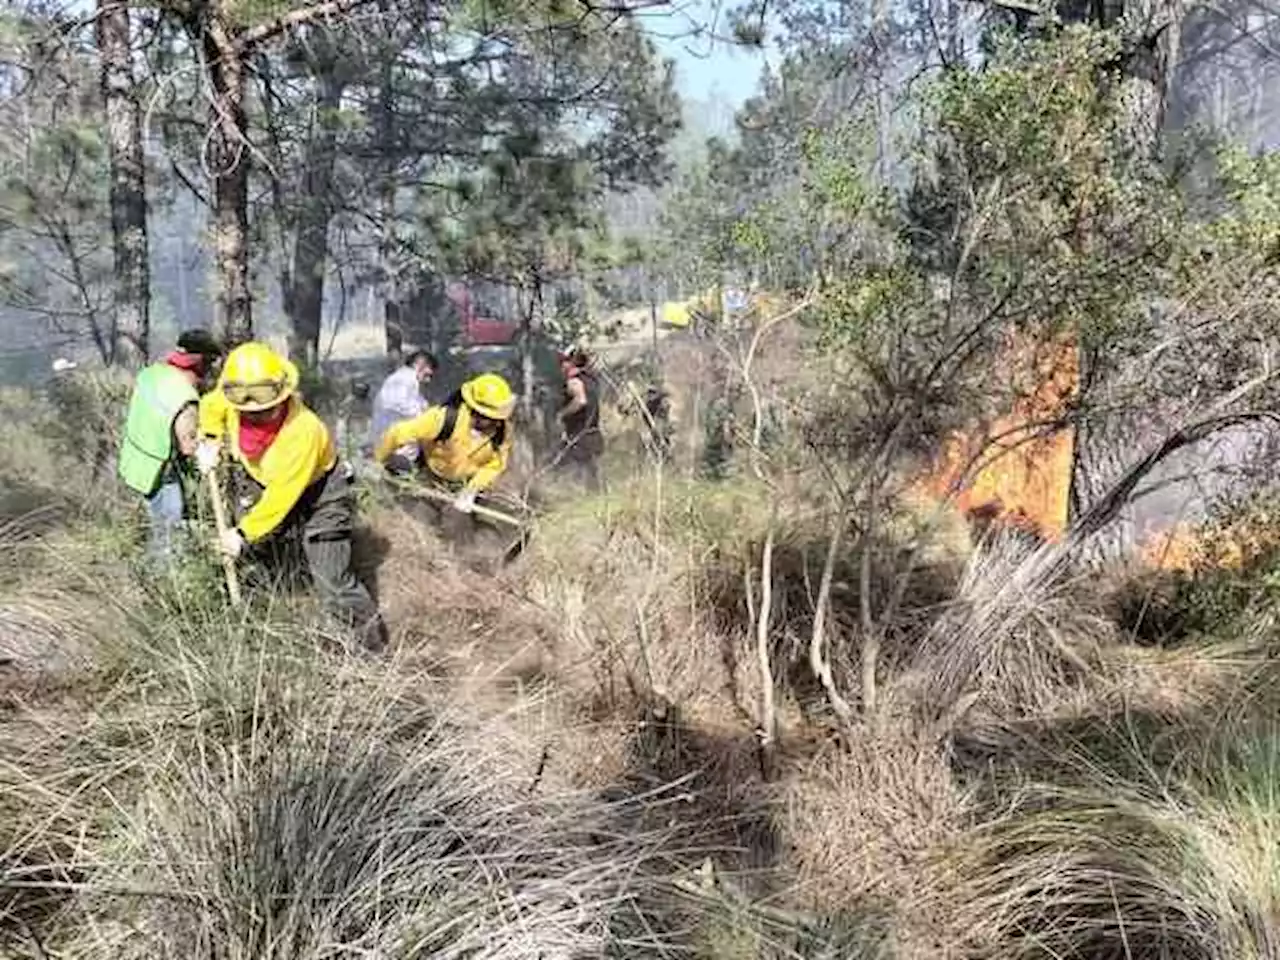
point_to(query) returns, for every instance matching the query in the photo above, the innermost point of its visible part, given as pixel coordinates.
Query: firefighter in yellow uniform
(287, 451)
(465, 441)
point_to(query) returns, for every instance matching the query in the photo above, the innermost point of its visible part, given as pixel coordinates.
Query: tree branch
(263, 32)
(818, 660)
(1110, 505)
(768, 721)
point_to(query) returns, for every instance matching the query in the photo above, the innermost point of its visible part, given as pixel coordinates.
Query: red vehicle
(479, 326)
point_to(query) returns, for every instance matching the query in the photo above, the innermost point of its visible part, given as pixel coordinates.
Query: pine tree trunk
(229, 165)
(311, 244)
(1149, 80)
(386, 132)
(880, 28)
(1111, 432)
(954, 38)
(530, 329)
(131, 322)
(1104, 444)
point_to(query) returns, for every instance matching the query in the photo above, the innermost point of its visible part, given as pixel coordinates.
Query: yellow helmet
(490, 396)
(255, 378)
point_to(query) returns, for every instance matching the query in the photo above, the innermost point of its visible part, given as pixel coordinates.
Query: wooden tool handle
(487, 512)
(220, 520)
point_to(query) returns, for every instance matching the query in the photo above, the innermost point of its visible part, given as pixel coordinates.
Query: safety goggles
(261, 393)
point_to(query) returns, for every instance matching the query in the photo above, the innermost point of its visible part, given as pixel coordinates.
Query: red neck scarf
(254, 438)
(191, 362)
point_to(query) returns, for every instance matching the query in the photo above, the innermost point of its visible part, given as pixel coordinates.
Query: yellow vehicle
(676, 314)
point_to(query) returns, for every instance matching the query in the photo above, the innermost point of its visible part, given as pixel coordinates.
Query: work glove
(231, 543)
(465, 502)
(207, 454)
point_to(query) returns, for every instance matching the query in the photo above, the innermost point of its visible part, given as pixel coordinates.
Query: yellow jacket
(464, 456)
(301, 454)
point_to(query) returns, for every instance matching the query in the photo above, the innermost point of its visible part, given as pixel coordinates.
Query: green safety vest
(159, 394)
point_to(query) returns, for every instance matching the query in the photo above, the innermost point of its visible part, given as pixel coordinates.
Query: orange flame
(1016, 469)
(1232, 546)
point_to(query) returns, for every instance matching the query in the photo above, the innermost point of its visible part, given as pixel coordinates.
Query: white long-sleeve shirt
(399, 398)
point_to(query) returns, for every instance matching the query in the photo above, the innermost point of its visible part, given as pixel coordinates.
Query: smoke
(1186, 488)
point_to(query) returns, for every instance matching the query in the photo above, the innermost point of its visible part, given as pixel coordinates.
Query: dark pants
(455, 525)
(324, 522)
(456, 528)
(585, 471)
(580, 460)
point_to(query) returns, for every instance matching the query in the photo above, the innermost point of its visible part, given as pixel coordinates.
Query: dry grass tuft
(66, 592)
(1182, 682)
(377, 824)
(863, 818)
(1136, 856)
(36, 640)
(1019, 638)
(624, 577)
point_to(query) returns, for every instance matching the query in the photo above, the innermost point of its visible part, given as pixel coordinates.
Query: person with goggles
(286, 450)
(465, 441)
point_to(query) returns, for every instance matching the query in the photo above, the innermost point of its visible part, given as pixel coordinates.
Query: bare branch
(263, 32)
(818, 661)
(1108, 507)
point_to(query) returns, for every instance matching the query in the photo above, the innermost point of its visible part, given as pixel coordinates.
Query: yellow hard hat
(490, 396)
(255, 378)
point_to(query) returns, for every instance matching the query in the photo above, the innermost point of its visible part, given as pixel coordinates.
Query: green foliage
(1036, 107)
(1176, 607)
(696, 228)
(248, 13)
(532, 202)
(1250, 186)
(1048, 209)
(852, 307)
(567, 321)
(777, 209)
(837, 160)
(1235, 581)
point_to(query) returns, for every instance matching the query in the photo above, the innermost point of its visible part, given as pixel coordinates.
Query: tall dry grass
(1128, 852)
(1021, 635)
(221, 786)
(387, 828)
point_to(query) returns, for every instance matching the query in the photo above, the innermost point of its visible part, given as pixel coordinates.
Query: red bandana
(254, 438)
(185, 361)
